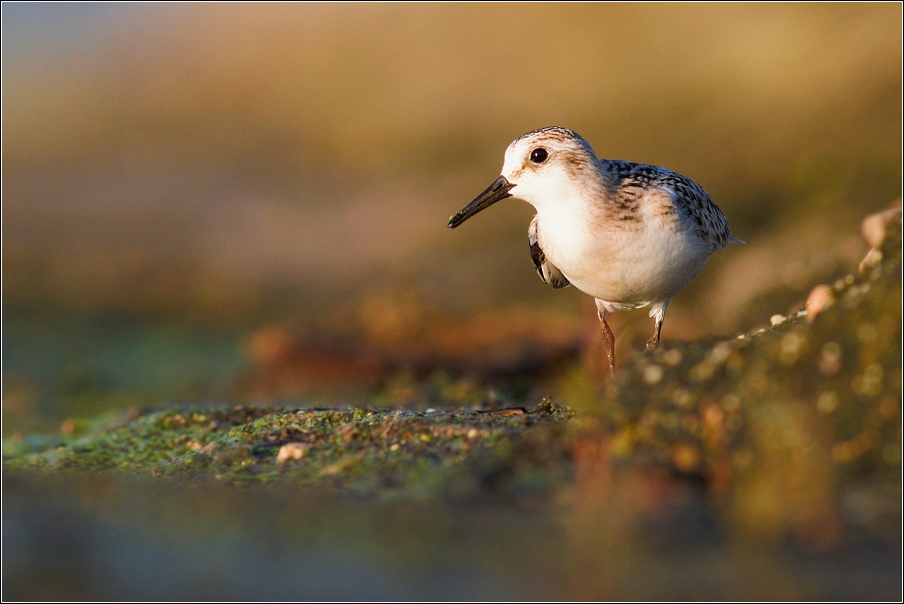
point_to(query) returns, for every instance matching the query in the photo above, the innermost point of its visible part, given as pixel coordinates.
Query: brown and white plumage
(630, 235)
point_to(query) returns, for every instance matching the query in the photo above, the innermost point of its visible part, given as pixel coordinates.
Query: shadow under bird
(630, 235)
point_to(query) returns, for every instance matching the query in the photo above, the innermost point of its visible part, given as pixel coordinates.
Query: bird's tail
(736, 240)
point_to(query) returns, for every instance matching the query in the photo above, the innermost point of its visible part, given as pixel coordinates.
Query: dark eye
(538, 155)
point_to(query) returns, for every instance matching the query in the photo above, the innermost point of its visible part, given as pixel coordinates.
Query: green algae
(357, 450)
(795, 429)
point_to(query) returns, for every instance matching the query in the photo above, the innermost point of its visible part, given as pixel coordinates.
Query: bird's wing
(688, 198)
(549, 273)
(691, 199)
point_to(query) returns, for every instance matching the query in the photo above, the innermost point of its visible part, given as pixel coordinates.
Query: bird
(629, 235)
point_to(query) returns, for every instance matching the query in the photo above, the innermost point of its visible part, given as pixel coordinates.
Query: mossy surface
(766, 466)
(783, 424)
(772, 422)
(368, 452)
(843, 366)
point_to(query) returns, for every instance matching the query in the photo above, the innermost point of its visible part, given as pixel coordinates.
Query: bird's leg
(608, 337)
(658, 314)
(653, 342)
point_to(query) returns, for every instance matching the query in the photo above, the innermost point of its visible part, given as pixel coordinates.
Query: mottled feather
(547, 271)
(630, 181)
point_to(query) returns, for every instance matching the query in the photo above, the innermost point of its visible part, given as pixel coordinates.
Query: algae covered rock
(797, 426)
(794, 428)
(375, 453)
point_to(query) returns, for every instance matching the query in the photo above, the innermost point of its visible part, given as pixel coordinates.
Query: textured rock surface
(767, 466)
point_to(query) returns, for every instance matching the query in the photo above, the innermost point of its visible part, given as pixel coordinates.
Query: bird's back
(630, 183)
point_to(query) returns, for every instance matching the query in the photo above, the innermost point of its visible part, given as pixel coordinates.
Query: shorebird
(629, 235)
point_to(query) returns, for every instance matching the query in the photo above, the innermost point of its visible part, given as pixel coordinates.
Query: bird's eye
(538, 155)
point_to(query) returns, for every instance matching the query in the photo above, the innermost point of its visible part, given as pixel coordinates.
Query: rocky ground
(764, 466)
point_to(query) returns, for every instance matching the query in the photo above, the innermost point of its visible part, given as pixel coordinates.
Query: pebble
(872, 258)
(875, 225)
(290, 451)
(820, 299)
(652, 374)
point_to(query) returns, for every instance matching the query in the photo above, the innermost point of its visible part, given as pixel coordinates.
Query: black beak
(495, 192)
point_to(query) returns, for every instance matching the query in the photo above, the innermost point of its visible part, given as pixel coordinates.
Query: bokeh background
(249, 203)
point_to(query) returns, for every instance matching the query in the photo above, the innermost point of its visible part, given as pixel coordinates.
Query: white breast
(627, 263)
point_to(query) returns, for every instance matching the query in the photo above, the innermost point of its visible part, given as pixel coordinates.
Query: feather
(630, 180)
(547, 271)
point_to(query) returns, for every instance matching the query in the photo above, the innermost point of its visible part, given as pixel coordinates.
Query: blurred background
(249, 202)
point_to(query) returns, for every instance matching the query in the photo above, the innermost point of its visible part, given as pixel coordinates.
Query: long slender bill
(495, 192)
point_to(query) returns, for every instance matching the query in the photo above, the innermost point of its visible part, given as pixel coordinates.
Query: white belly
(632, 265)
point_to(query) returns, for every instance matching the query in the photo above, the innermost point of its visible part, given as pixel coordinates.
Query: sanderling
(630, 235)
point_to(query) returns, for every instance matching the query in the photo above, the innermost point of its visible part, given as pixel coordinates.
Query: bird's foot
(652, 345)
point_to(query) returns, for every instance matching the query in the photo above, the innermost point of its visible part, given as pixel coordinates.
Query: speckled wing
(688, 198)
(549, 273)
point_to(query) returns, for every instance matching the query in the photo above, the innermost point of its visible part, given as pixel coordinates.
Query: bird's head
(539, 168)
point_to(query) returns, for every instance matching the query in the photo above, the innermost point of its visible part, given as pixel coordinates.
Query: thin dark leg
(658, 314)
(653, 342)
(608, 340)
